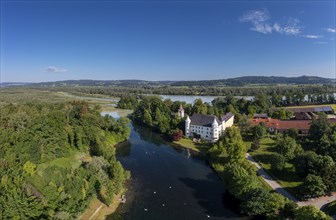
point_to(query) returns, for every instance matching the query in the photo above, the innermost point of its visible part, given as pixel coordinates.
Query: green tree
(327, 145)
(287, 147)
(280, 114)
(319, 127)
(232, 145)
(293, 133)
(278, 162)
(147, 118)
(259, 131)
(260, 201)
(310, 213)
(244, 124)
(29, 168)
(255, 144)
(199, 107)
(310, 162)
(313, 186)
(329, 177)
(238, 180)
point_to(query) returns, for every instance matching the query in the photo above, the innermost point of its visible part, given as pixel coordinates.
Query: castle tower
(215, 131)
(187, 127)
(181, 112)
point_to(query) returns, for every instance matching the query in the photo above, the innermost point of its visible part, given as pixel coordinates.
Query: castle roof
(207, 120)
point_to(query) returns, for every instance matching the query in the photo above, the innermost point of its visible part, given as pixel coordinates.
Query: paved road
(317, 202)
(271, 182)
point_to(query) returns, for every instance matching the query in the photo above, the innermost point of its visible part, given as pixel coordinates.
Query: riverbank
(99, 211)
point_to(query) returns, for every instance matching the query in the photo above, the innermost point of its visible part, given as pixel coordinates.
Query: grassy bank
(99, 211)
(189, 144)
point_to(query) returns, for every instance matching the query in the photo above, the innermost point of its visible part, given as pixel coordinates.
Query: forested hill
(259, 80)
(238, 81)
(55, 158)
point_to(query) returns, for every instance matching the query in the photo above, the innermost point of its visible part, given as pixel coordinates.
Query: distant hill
(128, 83)
(238, 81)
(7, 84)
(261, 80)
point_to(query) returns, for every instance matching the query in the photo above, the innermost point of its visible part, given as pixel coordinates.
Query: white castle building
(207, 127)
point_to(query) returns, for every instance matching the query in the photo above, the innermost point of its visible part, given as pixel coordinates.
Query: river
(190, 98)
(167, 183)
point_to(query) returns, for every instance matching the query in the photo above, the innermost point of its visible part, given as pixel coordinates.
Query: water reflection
(114, 114)
(147, 135)
(166, 183)
(123, 149)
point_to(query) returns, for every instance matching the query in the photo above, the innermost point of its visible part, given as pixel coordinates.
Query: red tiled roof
(286, 124)
(283, 124)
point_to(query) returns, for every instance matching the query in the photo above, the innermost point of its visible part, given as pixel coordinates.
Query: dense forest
(56, 157)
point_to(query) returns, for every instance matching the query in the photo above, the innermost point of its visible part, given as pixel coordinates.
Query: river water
(190, 98)
(168, 183)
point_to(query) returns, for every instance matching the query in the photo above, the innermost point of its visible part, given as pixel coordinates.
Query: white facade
(206, 129)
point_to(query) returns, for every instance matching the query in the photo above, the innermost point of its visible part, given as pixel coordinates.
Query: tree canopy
(56, 158)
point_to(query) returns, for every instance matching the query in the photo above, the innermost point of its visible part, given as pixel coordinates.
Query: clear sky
(165, 40)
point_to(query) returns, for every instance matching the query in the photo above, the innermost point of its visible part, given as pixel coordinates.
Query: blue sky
(165, 40)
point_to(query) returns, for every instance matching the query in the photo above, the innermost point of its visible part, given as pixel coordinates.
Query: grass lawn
(287, 178)
(72, 161)
(188, 143)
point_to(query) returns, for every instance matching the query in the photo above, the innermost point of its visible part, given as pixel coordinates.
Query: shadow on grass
(295, 191)
(291, 179)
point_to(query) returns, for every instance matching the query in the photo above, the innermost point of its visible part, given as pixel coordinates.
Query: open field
(287, 178)
(23, 95)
